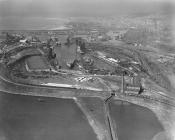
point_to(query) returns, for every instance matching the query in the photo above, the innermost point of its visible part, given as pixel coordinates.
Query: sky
(16, 12)
(54, 8)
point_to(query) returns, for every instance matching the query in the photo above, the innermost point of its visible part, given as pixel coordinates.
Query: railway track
(147, 97)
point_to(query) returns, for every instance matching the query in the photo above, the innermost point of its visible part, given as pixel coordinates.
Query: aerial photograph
(87, 69)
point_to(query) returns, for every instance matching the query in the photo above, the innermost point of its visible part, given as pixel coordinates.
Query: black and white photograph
(87, 69)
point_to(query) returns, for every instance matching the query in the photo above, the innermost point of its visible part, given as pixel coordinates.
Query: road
(47, 91)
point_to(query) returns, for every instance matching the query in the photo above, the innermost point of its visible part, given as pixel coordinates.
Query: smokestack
(123, 83)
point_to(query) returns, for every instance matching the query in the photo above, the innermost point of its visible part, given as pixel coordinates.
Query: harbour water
(36, 118)
(41, 118)
(133, 122)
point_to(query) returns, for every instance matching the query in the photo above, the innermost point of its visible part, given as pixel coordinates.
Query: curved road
(9, 86)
